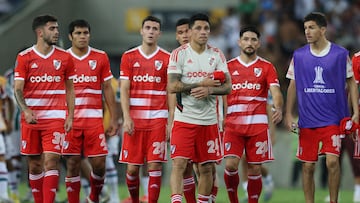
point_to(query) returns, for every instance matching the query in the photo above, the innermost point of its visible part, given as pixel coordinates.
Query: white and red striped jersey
(246, 111)
(92, 70)
(148, 80)
(194, 68)
(44, 79)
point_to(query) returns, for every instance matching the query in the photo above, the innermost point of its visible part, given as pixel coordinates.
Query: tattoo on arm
(224, 89)
(20, 100)
(177, 86)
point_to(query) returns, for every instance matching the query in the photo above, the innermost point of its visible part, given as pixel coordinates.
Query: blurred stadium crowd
(280, 22)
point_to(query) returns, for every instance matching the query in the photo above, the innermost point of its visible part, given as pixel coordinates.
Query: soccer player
(111, 180)
(348, 143)
(143, 79)
(88, 136)
(195, 135)
(246, 119)
(44, 92)
(12, 138)
(4, 175)
(182, 36)
(268, 182)
(319, 73)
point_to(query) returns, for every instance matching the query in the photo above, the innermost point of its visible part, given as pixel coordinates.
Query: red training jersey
(148, 80)
(92, 70)
(44, 79)
(246, 113)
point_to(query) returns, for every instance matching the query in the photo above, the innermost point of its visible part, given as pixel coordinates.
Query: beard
(249, 53)
(50, 41)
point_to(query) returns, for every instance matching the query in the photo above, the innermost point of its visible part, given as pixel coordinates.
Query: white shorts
(12, 142)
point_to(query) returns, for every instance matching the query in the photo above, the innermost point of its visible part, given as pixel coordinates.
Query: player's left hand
(200, 92)
(208, 82)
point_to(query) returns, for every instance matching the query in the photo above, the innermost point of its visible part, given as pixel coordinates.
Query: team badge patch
(257, 72)
(92, 64)
(57, 64)
(211, 61)
(65, 144)
(158, 64)
(227, 146)
(23, 144)
(172, 149)
(125, 152)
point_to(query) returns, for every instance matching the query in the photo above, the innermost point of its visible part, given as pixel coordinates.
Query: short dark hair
(319, 18)
(151, 18)
(40, 21)
(249, 29)
(78, 23)
(198, 16)
(182, 21)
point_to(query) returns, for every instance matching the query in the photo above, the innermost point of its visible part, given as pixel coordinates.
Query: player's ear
(70, 37)
(38, 32)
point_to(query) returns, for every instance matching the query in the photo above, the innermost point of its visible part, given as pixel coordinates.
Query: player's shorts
(357, 147)
(197, 143)
(2, 145)
(311, 138)
(12, 142)
(258, 148)
(88, 142)
(144, 145)
(36, 142)
(113, 143)
(349, 145)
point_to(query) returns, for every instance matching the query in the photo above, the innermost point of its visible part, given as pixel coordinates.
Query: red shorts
(311, 138)
(35, 142)
(356, 154)
(144, 145)
(198, 143)
(258, 148)
(91, 142)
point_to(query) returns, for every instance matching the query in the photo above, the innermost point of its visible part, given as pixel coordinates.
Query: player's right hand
(30, 116)
(291, 125)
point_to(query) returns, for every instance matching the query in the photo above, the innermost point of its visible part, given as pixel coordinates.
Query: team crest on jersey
(211, 61)
(57, 64)
(227, 146)
(92, 64)
(257, 72)
(158, 64)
